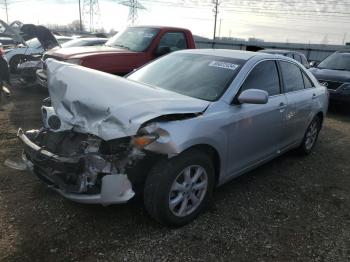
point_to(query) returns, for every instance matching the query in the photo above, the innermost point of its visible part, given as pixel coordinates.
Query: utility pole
(80, 20)
(7, 14)
(344, 38)
(215, 10)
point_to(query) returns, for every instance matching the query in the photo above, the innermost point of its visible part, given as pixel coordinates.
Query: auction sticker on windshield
(148, 35)
(224, 65)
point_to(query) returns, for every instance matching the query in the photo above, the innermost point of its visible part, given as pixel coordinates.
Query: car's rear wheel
(178, 189)
(311, 136)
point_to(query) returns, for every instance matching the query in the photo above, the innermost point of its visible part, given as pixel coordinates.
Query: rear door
(299, 99)
(256, 133)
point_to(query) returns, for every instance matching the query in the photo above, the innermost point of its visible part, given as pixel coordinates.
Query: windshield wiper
(122, 46)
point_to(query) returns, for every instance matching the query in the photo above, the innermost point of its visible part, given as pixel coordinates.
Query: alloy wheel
(188, 190)
(311, 134)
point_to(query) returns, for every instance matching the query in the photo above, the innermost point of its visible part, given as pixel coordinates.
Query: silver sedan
(174, 129)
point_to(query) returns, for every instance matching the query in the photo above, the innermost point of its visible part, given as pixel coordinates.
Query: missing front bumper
(114, 188)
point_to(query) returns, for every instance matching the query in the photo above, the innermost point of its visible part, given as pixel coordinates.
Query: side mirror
(253, 96)
(162, 51)
(313, 64)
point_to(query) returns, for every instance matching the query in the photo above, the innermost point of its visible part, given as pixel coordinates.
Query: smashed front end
(99, 139)
(81, 167)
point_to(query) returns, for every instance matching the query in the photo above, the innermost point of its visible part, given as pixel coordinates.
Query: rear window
(297, 57)
(201, 76)
(292, 77)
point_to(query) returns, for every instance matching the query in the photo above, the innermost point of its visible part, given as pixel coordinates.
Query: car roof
(276, 51)
(237, 54)
(344, 52)
(161, 27)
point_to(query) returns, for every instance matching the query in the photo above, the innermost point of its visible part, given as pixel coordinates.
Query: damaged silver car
(173, 130)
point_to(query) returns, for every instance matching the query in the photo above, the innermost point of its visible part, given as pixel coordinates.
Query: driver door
(257, 130)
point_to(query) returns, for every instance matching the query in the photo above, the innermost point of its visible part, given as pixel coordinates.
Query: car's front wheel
(14, 62)
(178, 189)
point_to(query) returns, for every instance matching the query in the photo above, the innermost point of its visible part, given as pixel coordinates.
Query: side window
(264, 76)
(307, 81)
(292, 77)
(298, 58)
(304, 62)
(174, 40)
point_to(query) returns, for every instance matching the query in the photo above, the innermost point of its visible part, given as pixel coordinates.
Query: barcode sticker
(224, 65)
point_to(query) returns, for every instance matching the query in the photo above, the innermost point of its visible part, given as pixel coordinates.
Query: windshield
(200, 76)
(33, 43)
(337, 61)
(136, 39)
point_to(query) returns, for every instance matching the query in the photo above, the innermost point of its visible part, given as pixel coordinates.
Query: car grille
(330, 84)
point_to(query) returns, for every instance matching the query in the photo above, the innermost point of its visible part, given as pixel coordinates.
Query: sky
(312, 21)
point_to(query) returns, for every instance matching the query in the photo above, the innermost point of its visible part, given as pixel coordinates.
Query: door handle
(314, 96)
(282, 106)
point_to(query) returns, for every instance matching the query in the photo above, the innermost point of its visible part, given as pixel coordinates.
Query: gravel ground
(292, 209)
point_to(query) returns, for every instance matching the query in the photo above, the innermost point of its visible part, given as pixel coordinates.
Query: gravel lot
(292, 209)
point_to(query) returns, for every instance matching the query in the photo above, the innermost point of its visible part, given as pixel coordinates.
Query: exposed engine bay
(78, 163)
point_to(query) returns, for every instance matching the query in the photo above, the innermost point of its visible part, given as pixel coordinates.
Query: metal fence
(312, 52)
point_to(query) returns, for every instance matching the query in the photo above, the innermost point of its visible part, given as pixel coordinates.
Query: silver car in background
(174, 129)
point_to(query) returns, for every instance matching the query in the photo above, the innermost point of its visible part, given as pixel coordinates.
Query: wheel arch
(16, 56)
(320, 115)
(12, 59)
(213, 153)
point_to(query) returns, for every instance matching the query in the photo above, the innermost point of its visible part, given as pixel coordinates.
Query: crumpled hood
(20, 33)
(44, 35)
(8, 31)
(331, 75)
(109, 106)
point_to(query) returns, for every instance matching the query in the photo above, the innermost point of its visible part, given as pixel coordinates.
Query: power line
(91, 13)
(134, 6)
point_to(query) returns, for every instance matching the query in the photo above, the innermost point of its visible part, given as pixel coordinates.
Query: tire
(311, 136)
(14, 62)
(160, 183)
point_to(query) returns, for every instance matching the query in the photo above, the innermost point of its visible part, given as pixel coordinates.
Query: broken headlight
(144, 140)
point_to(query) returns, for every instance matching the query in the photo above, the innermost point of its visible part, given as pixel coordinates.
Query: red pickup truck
(126, 51)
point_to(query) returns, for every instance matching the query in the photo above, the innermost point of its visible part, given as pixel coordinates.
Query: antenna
(134, 6)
